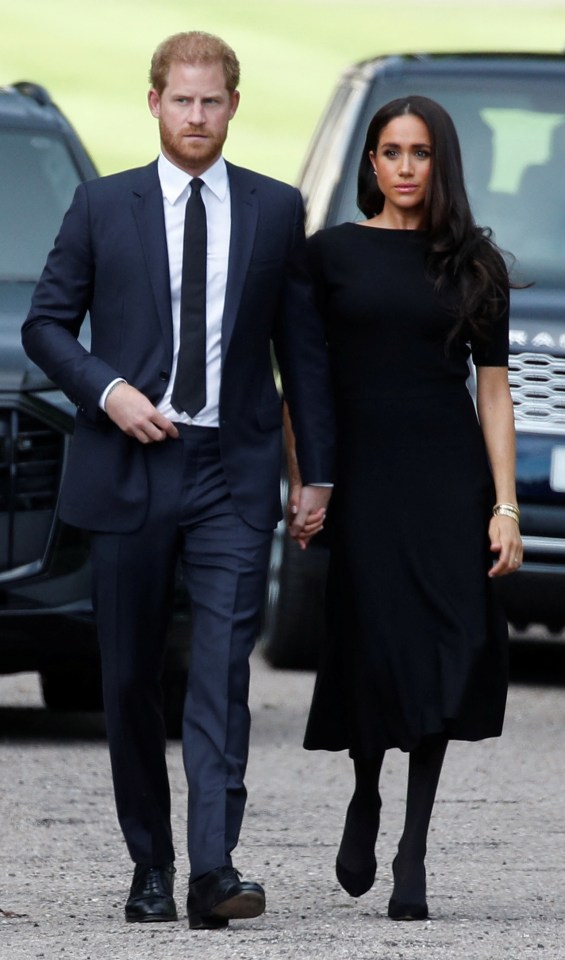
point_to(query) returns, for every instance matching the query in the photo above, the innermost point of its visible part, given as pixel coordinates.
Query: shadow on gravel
(37, 723)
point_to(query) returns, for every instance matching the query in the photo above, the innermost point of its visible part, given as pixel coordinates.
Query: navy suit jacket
(110, 259)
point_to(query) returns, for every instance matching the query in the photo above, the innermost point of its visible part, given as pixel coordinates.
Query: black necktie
(189, 391)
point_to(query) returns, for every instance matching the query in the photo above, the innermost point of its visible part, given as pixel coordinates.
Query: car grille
(537, 382)
(31, 457)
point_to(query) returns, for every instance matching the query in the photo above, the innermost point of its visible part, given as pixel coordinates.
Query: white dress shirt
(175, 186)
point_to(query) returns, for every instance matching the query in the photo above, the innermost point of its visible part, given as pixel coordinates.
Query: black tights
(356, 851)
(424, 771)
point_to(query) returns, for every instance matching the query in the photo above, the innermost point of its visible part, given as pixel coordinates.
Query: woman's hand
(505, 540)
(306, 512)
(307, 504)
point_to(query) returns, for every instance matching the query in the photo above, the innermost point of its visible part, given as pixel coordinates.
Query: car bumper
(536, 593)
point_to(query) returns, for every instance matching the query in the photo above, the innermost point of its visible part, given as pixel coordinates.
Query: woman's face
(402, 162)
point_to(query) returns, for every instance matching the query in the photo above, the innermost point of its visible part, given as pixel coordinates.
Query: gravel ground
(495, 863)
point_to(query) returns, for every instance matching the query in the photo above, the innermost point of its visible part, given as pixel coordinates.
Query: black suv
(46, 621)
(509, 110)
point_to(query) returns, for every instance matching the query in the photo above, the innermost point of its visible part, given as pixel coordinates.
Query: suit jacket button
(163, 375)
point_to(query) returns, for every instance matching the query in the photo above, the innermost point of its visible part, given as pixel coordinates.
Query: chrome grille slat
(537, 382)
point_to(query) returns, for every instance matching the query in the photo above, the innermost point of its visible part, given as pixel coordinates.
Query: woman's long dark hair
(460, 253)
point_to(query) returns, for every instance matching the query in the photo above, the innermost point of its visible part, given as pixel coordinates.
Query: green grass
(94, 57)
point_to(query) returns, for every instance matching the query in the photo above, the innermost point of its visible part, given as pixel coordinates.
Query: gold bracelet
(507, 510)
(510, 507)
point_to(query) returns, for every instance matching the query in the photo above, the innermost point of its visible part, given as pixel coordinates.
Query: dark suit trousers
(191, 515)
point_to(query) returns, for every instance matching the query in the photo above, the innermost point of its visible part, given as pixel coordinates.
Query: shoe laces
(154, 882)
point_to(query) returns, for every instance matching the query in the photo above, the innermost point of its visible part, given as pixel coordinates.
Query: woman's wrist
(507, 510)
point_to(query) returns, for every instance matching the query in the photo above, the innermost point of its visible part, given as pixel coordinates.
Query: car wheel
(293, 626)
(76, 689)
(72, 691)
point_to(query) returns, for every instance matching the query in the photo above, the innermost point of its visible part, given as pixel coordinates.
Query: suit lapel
(244, 211)
(147, 205)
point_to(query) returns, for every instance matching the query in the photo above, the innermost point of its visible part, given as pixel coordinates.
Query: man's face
(194, 111)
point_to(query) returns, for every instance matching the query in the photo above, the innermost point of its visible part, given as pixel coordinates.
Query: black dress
(417, 643)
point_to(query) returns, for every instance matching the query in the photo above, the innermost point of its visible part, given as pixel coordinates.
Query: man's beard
(191, 154)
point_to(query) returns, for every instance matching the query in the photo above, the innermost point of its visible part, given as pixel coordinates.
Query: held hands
(505, 540)
(133, 413)
(306, 512)
(306, 508)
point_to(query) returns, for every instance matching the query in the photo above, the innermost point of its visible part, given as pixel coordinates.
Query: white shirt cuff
(107, 391)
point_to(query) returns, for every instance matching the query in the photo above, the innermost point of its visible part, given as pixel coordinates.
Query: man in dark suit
(177, 449)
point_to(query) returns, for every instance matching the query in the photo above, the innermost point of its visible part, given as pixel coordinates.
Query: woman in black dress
(424, 511)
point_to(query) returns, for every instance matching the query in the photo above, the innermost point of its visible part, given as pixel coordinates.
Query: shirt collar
(174, 180)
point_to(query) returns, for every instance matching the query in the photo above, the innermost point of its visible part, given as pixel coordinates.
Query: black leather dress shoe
(221, 895)
(151, 896)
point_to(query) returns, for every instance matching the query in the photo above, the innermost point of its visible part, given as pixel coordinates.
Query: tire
(77, 688)
(71, 691)
(294, 620)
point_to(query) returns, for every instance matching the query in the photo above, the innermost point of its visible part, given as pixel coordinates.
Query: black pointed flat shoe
(411, 906)
(407, 911)
(357, 882)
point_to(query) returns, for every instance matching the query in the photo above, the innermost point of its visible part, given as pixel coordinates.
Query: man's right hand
(133, 413)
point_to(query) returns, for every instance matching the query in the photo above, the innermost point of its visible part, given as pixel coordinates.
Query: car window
(325, 160)
(38, 178)
(512, 133)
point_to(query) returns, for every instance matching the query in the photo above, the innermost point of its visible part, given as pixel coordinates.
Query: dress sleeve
(490, 348)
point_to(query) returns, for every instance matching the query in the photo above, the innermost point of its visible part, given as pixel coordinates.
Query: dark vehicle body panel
(46, 616)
